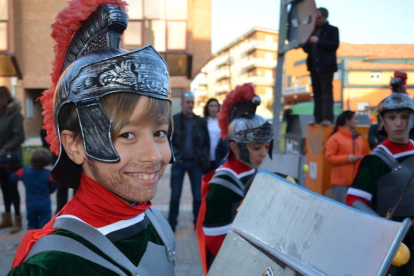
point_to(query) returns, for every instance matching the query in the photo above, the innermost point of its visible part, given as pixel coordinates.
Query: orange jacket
(338, 148)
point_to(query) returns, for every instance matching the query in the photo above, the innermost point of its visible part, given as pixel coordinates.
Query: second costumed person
(249, 137)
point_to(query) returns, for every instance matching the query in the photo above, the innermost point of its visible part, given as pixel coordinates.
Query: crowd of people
(113, 139)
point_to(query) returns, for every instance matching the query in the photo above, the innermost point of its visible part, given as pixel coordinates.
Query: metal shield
(285, 229)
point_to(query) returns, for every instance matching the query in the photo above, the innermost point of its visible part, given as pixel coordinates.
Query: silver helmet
(397, 101)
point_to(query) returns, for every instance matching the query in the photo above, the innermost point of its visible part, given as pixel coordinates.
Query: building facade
(363, 77)
(179, 29)
(250, 58)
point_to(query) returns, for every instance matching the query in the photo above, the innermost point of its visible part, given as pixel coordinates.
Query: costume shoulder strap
(386, 157)
(164, 230)
(96, 238)
(70, 246)
(230, 181)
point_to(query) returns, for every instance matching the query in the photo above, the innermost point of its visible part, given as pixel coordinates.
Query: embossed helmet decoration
(399, 99)
(239, 123)
(93, 66)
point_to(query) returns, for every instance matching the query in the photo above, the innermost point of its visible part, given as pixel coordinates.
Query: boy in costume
(108, 118)
(249, 137)
(382, 176)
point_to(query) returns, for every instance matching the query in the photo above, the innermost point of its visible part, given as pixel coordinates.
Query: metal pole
(277, 103)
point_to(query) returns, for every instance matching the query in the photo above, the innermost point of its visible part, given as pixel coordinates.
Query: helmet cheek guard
(244, 153)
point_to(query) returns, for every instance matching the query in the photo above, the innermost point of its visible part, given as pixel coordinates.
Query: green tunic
(64, 264)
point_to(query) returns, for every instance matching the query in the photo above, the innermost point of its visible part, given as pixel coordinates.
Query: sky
(359, 21)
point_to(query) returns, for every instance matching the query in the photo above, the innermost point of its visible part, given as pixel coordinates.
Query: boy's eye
(160, 134)
(127, 135)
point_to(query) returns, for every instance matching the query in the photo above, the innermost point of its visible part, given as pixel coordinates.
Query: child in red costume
(382, 176)
(108, 118)
(249, 136)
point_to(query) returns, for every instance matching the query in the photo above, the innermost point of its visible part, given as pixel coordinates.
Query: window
(154, 9)
(155, 34)
(376, 76)
(133, 34)
(162, 23)
(174, 13)
(135, 9)
(29, 107)
(4, 17)
(177, 35)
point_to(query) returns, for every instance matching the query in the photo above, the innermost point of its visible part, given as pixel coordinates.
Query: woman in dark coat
(11, 139)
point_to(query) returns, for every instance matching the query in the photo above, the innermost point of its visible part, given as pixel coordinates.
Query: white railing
(259, 44)
(259, 62)
(261, 80)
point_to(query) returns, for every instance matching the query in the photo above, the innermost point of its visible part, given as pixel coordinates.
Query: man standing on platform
(321, 49)
(191, 145)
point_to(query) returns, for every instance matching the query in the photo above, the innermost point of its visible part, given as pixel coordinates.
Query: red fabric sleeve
(19, 173)
(213, 243)
(51, 179)
(350, 199)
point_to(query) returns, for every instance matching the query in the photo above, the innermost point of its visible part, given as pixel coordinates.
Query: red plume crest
(403, 77)
(68, 21)
(243, 92)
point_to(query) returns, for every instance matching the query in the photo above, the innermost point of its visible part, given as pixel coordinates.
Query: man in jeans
(191, 145)
(321, 63)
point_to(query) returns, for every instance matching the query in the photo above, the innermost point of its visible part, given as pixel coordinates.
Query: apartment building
(363, 78)
(179, 29)
(250, 58)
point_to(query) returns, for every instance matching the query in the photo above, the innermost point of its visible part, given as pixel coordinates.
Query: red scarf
(93, 204)
(398, 148)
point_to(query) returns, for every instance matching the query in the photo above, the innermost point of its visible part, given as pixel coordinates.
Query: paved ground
(188, 259)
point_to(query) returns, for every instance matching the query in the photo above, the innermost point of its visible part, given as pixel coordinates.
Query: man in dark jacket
(191, 145)
(321, 62)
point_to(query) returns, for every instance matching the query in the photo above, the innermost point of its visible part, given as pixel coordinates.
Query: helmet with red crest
(239, 123)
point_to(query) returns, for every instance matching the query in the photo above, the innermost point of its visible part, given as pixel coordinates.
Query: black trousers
(10, 190)
(322, 96)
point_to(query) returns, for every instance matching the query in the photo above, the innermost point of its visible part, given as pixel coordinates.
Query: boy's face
(395, 123)
(145, 152)
(187, 105)
(257, 153)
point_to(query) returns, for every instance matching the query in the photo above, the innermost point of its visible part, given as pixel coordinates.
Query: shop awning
(9, 66)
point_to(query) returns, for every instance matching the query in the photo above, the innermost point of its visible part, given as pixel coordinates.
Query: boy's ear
(73, 147)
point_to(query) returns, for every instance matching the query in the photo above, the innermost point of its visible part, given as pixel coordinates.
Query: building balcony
(258, 62)
(222, 74)
(266, 81)
(222, 60)
(260, 45)
(224, 88)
